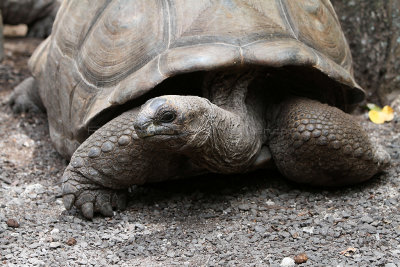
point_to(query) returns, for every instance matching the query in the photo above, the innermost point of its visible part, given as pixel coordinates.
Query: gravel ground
(256, 219)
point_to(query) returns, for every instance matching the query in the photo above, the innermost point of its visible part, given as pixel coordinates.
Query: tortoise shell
(105, 53)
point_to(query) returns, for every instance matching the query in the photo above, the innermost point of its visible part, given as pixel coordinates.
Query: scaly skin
(112, 159)
(88, 175)
(318, 144)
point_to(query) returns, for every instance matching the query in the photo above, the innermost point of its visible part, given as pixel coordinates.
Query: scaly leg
(110, 161)
(321, 145)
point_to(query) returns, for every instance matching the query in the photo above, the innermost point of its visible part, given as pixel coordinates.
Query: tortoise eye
(167, 117)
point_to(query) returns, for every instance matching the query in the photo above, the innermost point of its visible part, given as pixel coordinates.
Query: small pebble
(71, 242)
(12, 223)
(54, 231)
(309, 230)
(300, 258)
(244, 207)
(34, 245)
(287, 262)
(55, 245)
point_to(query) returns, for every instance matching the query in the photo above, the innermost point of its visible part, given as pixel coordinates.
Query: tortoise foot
(89, 197)
(318, 144)
(110, 161)
(25, 97)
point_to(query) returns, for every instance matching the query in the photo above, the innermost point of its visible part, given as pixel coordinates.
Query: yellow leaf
(376, 116)
(389, 114)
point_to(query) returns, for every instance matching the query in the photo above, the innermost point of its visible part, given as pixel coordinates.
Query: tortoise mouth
(148, 129)
(148, 135)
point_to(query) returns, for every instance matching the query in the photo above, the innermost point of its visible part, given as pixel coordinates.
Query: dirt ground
(256, 219)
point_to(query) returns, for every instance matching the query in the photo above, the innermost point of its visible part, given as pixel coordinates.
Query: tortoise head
(175, 121)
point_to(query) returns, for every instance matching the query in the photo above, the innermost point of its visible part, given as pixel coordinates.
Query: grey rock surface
(254, 219)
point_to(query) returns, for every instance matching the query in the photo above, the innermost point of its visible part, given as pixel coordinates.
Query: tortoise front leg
(321, 145)
(110, 161)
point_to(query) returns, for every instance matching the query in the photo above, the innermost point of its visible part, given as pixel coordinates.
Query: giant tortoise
(147, 90)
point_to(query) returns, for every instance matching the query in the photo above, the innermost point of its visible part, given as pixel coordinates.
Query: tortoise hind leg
(321, 145)
(26, 97)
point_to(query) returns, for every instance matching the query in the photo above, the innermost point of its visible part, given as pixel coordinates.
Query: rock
(71, 242)
(83, 244)
(366, 219)
(287, 262)
(309, 230)
(34, 245)
(346, 214)
(33, 190)
(244, 207)
(55, 245)
(259, 229)
(300, 258)
(139, 226)
(55, 231)
(12, 223)
(36, 262)
(269, 202)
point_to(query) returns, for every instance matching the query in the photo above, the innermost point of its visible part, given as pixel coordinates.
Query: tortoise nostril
(141, 123)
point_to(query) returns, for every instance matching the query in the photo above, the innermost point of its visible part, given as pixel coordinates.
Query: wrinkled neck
(236, 128)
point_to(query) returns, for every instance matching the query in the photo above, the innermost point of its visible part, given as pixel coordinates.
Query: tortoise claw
(103, 204)
(106, 209)
(90, 197)
(68, 201)
(87, 210)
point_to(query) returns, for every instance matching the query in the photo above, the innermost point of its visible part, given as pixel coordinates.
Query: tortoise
(38, 15)
(145, 91)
